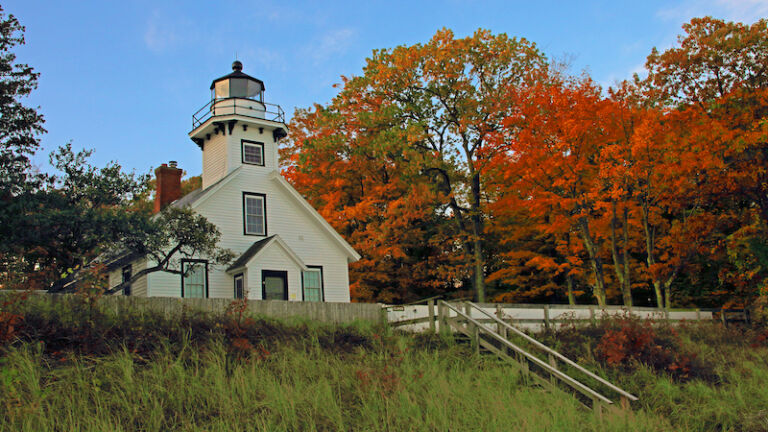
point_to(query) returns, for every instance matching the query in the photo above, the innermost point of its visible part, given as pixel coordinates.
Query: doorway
(274, 285)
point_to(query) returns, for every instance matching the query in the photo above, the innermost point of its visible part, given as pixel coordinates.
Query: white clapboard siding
(222, 205)
(214, 160)
(302, 233)
(139, 288)
(273, 258)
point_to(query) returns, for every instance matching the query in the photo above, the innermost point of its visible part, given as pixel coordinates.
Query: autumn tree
(437, 105)
(362, 177)
(715, 86)
(552, 158)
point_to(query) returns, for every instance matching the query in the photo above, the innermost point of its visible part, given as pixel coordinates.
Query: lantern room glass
(238, 88)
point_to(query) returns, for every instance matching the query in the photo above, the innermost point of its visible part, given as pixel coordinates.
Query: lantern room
(237, 85)
(236, 109)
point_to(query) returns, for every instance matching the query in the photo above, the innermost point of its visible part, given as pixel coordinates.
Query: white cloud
(330, 44)
(746, 11)
(263, 58)
(163, 32)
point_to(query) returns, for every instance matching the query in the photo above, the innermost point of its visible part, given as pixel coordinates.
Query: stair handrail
(549, 350)
(573, 382)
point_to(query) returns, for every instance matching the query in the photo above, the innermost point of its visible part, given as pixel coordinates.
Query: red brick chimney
(168, 184)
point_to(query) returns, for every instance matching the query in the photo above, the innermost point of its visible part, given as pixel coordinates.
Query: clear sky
(125, 77)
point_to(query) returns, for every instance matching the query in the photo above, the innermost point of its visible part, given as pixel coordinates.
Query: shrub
(624, 343)
(628, 342)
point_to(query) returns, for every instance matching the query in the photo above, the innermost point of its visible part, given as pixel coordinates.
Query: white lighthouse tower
(237, 127)
(285, 250)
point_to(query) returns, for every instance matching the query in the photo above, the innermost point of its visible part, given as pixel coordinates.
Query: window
(127, 273)
(312, 281)
(194, 278)
(239, 286)
(253, 152)
(254, 214)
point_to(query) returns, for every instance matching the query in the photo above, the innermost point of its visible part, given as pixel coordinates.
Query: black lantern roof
(237, 72)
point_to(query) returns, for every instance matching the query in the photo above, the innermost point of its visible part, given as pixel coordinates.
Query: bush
(629, 342)
(625, 343)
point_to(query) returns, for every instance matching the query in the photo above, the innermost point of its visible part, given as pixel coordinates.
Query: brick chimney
(168, 185)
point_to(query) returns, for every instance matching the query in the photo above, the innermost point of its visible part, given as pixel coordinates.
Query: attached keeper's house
(287, 251)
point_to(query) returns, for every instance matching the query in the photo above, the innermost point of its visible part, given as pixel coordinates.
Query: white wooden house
(286, 250)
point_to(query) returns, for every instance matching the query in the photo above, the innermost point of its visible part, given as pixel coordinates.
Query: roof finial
(237, 66)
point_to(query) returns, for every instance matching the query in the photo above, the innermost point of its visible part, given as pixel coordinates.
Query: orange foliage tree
(471, 160)
(427, 113)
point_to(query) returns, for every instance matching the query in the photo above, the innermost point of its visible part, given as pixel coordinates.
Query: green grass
(71, 369)
(291, 390)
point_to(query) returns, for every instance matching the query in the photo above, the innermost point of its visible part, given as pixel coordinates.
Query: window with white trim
(194, 278)
(312, 282)
(253, 152)
(254, 214)
(239, 286)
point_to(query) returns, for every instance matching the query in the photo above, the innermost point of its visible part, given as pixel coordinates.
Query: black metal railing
(247, 107)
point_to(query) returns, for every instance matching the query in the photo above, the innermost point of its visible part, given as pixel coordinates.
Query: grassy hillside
(70, 367)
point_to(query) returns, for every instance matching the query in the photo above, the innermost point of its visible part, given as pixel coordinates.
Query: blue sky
(124, 78)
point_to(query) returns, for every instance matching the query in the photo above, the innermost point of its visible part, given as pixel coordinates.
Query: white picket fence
(538, 317)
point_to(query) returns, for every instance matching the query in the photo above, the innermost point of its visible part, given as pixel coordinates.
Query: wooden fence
(317, 311)
(535, 317)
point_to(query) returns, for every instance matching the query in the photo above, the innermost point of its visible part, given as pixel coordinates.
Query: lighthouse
(237, 127)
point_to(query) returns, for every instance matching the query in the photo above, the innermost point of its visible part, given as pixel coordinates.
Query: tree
(438, 105)
(86, 214)
(369, 187)
(54, 226)
(20, 126)
(715, 84)
(174, 234)
(553, 160)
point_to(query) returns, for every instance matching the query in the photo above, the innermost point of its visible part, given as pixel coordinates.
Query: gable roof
(249, 253)
(261, 245)
(352, 254)
(197, 196)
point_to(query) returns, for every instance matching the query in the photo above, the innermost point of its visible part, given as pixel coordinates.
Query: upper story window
(253, 152)
(255, 214)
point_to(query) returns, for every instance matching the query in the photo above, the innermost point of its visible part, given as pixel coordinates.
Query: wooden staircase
(539, 363)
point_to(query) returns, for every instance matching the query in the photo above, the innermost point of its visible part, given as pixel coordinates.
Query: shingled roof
(243, 259)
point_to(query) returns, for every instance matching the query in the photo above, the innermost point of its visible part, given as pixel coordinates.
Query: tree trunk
(625, 247)
(477, 237)
(650, 258)
(594, 260)
(569, 284)
(621, 259)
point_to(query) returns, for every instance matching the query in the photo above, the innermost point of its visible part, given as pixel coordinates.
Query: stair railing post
(597, 406)
(500, 328)
(524, 366)
(546, 317)
(552, 363)
(443, 325)
(624, 402)
(431, 310)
